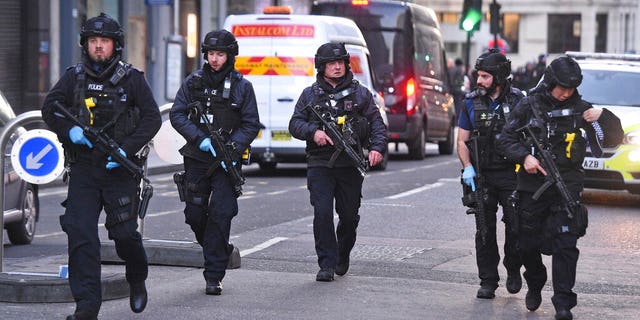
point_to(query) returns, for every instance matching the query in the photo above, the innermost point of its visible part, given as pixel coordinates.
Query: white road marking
(262, 246)
(416, 190)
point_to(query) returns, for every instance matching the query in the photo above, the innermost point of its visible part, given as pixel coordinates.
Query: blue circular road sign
(37, 156)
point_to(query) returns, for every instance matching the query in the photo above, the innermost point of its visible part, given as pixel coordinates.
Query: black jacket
(512, 144)
(303, 125)
(243, 99)
(138, 94)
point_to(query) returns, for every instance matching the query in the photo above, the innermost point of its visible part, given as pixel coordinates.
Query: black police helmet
(496, 64)
(331, 52)
(220, 40)
(563, 71)
(102, 26)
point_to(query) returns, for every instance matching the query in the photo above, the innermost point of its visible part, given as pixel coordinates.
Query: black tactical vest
(488, 124)
(343, 103)
(215, 105)
(106, 105)
(561, 132)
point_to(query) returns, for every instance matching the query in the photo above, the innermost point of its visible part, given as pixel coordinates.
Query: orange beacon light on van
(277, 10)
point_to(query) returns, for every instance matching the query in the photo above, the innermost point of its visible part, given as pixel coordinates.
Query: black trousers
(344, 185)
(546, 230)
(499, 185)
(210, 207)
(90, 190)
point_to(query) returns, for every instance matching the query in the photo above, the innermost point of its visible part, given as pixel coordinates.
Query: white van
(277, 54)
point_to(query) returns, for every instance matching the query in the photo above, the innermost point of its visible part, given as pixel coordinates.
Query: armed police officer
(544, 135)
(215, 110)
(490, 176)
(335, 168)
(108, 95)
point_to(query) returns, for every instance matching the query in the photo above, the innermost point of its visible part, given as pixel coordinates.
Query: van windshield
(383, 28)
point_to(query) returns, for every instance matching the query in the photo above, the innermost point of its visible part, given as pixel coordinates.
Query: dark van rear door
(406, 53)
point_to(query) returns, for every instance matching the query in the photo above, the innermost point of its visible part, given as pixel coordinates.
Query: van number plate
(280, 135)
(593, 164)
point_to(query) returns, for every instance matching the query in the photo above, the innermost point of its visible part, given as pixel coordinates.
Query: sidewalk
(38, 283)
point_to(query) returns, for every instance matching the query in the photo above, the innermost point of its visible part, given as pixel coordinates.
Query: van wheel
(446, 147)
(416, 147)
(268, 166)
(22, 232)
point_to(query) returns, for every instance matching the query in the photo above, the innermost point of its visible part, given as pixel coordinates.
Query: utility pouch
(580, 220)
(147, 193)
(178, 178)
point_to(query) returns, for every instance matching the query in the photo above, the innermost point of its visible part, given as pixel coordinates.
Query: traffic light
(496, 18)
(471, 15)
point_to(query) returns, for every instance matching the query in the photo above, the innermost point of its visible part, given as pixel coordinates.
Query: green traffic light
(470, 21)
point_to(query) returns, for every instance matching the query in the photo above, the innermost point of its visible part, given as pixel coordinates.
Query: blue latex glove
(467, 176)
(113, 164)
(205, 145)
(77, 136)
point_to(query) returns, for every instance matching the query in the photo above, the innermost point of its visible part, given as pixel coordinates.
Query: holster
(580, 220)
(147, 193)
(511, 217)
(178, 178)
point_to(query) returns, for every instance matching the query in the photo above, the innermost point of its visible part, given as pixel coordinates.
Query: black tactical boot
(486, 292)
(533, 299)
(564, 314)
(342, 267)
(325, 275)
(137, 296)
(514, 282)
(214, 287)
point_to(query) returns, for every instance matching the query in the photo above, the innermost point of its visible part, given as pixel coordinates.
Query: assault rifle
(223, 150)
(109, 146)
(343, 140)
(475, 200)
(572, 207)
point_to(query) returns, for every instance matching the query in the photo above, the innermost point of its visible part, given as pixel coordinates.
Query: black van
(409, 60)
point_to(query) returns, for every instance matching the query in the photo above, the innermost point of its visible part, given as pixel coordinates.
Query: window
(563, 33)
(601, 35)
(510, 30)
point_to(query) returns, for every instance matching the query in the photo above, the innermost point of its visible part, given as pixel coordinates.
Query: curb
(168, 253)
(43, 289)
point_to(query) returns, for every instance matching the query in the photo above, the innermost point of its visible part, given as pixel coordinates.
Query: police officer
(557, 113)
(218, 96)
(109, 95)
(486, 110)
(332, 174)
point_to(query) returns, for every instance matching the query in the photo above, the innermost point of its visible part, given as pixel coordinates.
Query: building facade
(163, 36)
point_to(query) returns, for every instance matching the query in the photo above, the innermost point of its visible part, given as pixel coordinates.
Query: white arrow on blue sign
(37, 156)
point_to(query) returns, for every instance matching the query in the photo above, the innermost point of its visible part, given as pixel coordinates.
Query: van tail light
(411, 96)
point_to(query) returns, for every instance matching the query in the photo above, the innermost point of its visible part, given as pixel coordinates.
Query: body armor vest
(106, 104)
(561, 133)
(488, 124)
(343, 104)
(215, 105)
